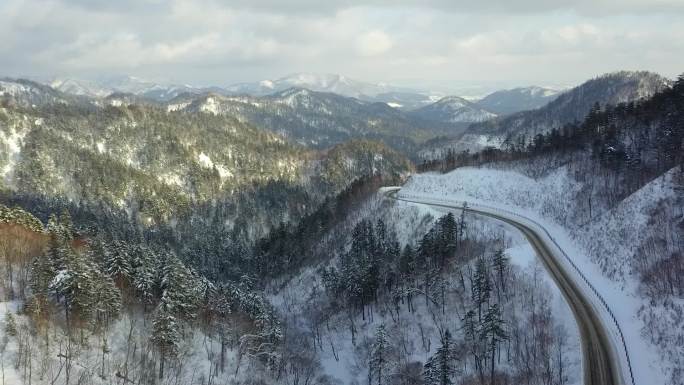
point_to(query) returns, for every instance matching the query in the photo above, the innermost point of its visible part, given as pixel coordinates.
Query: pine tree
(379, 352)
(143, 274)
(407, 262)
(441, 366)
(106, 299)
(117, 263)
(481, 286)
(493, 331)
(74, 287)
(500, 264)
(10, 324)
(178, 288)
(447, 236)
(165, 334)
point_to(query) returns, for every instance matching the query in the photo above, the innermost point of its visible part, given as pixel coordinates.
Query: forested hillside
(614, 182)
(570, 107)
(318, 119)
(196, 242)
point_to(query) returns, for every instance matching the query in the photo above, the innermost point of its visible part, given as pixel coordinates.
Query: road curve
(598, 355)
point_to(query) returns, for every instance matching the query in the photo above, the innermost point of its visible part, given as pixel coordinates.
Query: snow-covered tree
(10, 324)
(179, 291)
(440, 368)
(493, 331)
(379, 354)
(166, 334)
(117, 263)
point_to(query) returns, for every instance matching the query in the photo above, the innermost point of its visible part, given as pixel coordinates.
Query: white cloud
(373, 43)
(435, 41)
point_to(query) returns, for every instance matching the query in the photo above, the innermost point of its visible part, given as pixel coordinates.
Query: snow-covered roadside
(535, 200)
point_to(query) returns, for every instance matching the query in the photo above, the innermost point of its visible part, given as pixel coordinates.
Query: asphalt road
(598, 355)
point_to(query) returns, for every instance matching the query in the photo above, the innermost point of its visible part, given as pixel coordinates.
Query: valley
(241, 235)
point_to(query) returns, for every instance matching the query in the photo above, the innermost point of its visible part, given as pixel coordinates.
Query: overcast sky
(403, 42)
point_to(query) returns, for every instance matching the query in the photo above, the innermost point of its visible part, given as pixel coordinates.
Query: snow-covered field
(603, 249)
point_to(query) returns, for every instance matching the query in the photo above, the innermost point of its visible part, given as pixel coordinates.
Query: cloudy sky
(405, 42)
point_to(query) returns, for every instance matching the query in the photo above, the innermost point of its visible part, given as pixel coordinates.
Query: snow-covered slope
(574, 104)
(334, 83)
(397, 97)
(609, 248)
(27, 93)
(416, 329)
(316, 119)
(453, 109)
(127, 85)
(517, 99)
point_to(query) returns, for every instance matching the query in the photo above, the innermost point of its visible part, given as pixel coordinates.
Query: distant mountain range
(453, 109)
(398, 97)
(128, 85)
(319, 119)
(506, 102)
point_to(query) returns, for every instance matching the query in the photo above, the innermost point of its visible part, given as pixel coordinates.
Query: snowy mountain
(506, 102)
(128, 85)
(574, 104)
(26, 93)
(81, 87)
(333, 83)
(398, 97)
(405, 101)
(453, 109)
(570, 106)
(317, 119)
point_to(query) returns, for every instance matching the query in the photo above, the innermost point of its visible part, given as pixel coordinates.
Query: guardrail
(464, 205)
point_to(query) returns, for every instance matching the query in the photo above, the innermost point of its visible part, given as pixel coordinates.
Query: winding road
(599, 360)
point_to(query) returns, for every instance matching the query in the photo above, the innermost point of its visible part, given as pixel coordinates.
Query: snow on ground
(10, 375)
(340, 357)
(610, 238)
(205, 160)
(12, 143)
(210, 106)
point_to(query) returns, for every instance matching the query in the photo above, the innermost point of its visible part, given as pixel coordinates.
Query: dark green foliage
(440, 368)
(363, 269)
(288, 246)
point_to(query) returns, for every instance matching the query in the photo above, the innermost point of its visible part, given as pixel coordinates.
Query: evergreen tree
(493, 331)
(165, 334)
(446, 236)
(10, 324)
(481, 286)
(143, 273)
(441, 366)
(179, 289)
(117, 263)
(106, 299)
(407, 262)
(379, 354)
(42, 274)
(74, 287)
(500, 264)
